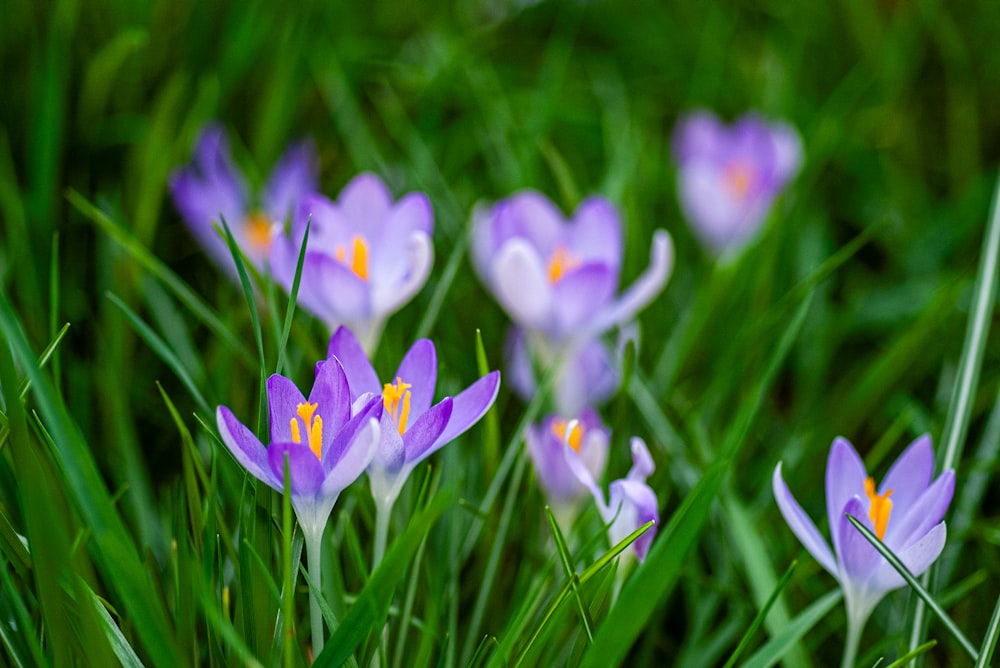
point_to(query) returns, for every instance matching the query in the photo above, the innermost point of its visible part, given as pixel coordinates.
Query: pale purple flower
(211, 188)
(327, 448)
(367, 255)
(412, 428)
(558, 281)
(631, 502)
(546, 441)
(905, 511)
(729, 177)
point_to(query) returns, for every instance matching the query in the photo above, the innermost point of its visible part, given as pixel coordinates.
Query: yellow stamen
(258, 230)
(739, 178)
(396, 399)
(561, 262)
(359, 256)
(314, 427)
(575, 436)
(880, 509)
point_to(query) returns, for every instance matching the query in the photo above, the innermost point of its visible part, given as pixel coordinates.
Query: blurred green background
(896, 101)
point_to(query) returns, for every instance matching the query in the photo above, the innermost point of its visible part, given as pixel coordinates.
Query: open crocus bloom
(905, 511)
(367, 255)
(327, 448)
(545, 447)
(728, 178)
(412, 429)
(631, 502)
(558, 281)
(211, 188)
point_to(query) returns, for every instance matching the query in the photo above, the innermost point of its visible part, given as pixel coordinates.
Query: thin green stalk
(382, 516)
(990, 640)
(314, 548)
(853, 640)
(288, 600)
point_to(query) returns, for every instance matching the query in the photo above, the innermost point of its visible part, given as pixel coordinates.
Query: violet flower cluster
(729, 177)
(905, 511)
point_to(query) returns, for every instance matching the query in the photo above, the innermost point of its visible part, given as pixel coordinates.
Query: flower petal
(845, 478)
(531, 216)
(580, 294)
(917, 558)
(361, 377)
(801, 525)
(697, 134)
(332, 397)
(587, 377)
(634, 503)
(581, 471)
(468, 406)
(858, 558)
(366, 198)
(596, 233)
(642, 461)
(389, 296)
(244, 446)
(356, 457)
(421, 439)
(910, 474)
(283, 399)
(917, 519)
(304, 468)
(419, 369)
(413, 213)
(520, 372)
(294, 176)
(343, 440)
(521, 284)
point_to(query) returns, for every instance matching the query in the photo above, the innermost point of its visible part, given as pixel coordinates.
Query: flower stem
(314, 546)
(854, 627)
(381, 534)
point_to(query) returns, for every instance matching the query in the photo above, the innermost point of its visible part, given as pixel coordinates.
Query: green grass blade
(574, 581)
(119, 644)
(916, 586)
(761, 614)
(286, 328)
(913, 654)
(771, 653)
(367, 616)
(990, 639)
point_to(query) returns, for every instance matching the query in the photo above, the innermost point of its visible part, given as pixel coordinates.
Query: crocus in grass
(327, 442)
(631, 502)
(558, 281)
(412, 426)
(729, 177)
(545, 442)
(905, 512)
(367, 255)
(211, 188)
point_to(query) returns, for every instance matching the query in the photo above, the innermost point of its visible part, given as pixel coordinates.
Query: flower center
(575, 437)
(358, 260)
(313, 426)
(880, 508)
(739, 178)
(561, 262)
(259, 232)
(396, 398)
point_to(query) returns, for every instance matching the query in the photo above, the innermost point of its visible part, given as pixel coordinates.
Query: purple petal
(917, 558)
(355, 458)
(697, 134)
(579, 295)
(304, 468)
(421, 438)
(343, 440)
(546, 452)
(483, 244)
(635, 504)
(787, 152)
(528, 215)
(391, 453)
(413, 213)
(419, 369)
(642, 461)
(521, 284)
(283, 399)
(365, 199)
(360, 375)
(468, 406)
(328, 289)
(907, 524)
(520, 372)
(283, 262)
(596, 234)
(910, 474)
(389, 294)
(858, 558)
(582, 473)
(244, 446)
(801, 525)
(587, 378)
(293, 177)
(332, 397)
(845, 478)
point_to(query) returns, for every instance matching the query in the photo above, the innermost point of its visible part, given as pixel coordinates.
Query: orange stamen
(258, 229)
(561, 262)
(396, 399)
(880, 509)
(575, 435)
(739, 178)
(314, 428)
(359, 256)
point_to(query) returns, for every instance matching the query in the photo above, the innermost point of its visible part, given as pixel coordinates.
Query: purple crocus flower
(545, 442)
(327, 448)
(367, 255)
(212, 187)
(905, 511)
(631, 502)
(729, 177)
(558, 281)
(412, 428)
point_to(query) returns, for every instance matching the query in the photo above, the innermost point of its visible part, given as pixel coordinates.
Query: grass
(128, 533)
